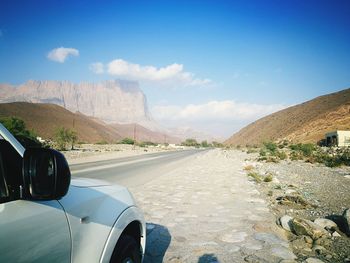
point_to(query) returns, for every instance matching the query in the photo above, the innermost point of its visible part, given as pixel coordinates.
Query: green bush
(268, 178)
(65, 137)
(147, 143)
(190, 142)
(306, 149)
(270, 146)
(204, 144)
(127, 141)
(18, 129)
(281, 155)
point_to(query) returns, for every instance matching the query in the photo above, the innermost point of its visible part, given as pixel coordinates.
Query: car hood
(87, 182)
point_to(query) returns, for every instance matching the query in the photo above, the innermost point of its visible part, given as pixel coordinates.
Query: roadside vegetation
(17, 127)
(308, 152)
(65, 138)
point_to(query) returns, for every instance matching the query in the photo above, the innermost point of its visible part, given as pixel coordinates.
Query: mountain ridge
(305, 122)
(112, 101)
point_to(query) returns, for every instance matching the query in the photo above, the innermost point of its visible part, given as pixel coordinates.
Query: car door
(29, 231)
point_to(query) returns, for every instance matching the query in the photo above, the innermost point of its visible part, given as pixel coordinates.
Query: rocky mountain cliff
(306, 122)
(113, 101)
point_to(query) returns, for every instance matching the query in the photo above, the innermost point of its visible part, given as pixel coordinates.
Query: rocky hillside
(113, 101)
(306, 122)
(45, 119)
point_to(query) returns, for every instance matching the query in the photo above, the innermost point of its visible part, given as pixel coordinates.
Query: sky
(214, 66)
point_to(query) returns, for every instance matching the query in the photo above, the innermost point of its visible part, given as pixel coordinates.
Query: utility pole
(134, 136)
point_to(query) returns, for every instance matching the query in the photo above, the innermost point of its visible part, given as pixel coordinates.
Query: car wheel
(126, 251)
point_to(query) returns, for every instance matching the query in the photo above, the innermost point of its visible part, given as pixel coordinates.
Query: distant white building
(338, 138)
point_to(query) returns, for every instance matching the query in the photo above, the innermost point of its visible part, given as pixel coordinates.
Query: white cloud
(227, 110)
(221, 118)
(173, 74)
(61, 54)
(97, 68)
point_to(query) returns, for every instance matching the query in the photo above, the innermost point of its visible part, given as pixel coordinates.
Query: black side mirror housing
(46, 174)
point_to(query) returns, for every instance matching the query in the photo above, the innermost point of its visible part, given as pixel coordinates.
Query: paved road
(134, 170)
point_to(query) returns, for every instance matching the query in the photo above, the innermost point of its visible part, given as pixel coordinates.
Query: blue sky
(212, 65)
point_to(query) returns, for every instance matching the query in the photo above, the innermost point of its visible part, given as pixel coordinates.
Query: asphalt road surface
(134, 170)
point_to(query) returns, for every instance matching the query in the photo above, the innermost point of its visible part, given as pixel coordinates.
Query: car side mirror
(46, 174)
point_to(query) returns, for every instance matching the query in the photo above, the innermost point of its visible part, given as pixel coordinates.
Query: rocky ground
(302, 191)
(207, 210)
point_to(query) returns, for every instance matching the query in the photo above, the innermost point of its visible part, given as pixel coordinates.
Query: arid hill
(306, 122)
(45, 119)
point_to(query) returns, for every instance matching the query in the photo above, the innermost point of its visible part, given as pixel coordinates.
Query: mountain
(45, 119)
(189, 133)
(113, 101)
(143, 134)
(306, 122)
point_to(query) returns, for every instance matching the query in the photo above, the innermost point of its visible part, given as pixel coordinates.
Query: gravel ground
(327, 190)
(207, 210)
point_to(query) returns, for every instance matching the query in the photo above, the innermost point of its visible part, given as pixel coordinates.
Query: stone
(308, 240)
(307, 228)
(287, 261)
(285, 222)
(325, 223)
(282, 252)
(319, 249)
(336, 234)
(313, 260)
(290, 191)
(293, 200)
(346, 215)
(254, 259)
(270, 239)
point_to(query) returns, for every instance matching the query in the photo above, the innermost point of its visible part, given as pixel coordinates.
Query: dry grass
(248, 167)
(257, 177)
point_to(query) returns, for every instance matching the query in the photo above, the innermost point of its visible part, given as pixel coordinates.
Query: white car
(46, 217)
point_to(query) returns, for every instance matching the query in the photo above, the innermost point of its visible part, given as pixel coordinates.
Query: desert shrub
(190, 142)
(18, 129)
(272, 159)
(127, 141)
(217, 144)
(257, 178)
(103, 142)
(251, 150)
(262, 152)
(268, 178)
(204, 144)
(281, 155)
(305, 148)
(270, 146)
(248, 167)
(147, 143)
(64, 138)
(295, 155)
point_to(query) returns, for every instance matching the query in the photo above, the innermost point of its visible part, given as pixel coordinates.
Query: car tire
(126, 251)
